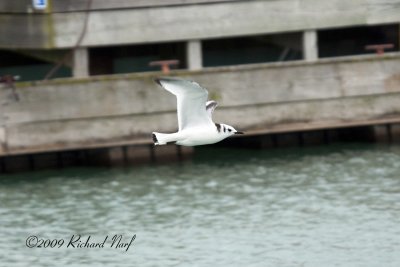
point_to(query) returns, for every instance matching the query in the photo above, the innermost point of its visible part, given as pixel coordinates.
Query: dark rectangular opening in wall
(31, 65)
(254, 49)
(134, 58)
(353, 41)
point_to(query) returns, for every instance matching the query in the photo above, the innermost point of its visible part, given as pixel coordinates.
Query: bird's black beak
(239, 132)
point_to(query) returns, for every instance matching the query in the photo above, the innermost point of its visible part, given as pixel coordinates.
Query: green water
(325, 206)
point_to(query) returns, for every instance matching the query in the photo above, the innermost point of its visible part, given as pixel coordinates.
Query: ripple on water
(330, 206)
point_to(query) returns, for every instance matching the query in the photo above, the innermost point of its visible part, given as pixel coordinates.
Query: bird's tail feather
(163, 139)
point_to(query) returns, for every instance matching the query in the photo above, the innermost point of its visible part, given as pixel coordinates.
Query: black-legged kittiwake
(194, 116)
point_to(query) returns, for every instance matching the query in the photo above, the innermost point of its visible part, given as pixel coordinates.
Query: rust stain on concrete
(392, 84)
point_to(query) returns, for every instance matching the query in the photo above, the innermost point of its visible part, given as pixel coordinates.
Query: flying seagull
(194, 116)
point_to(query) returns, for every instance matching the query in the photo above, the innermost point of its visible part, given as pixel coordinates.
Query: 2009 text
(77, 241)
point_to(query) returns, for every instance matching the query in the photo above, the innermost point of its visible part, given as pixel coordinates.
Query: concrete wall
(192, 22)
(125, 109)
(25, 6)
(26, 31)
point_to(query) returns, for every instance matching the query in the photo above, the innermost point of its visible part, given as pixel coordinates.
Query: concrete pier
(61, 25)
(310, 46)
(106, 111)
(138, 155)
(194, 55)
(110, 118)
(80, 63)
(120, 156)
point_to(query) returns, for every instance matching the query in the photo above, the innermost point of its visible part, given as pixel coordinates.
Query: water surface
(325, 206)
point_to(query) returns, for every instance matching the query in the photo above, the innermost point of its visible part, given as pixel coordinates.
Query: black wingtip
(154, 139)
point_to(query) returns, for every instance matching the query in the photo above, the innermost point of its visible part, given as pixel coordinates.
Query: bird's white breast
(200, 136)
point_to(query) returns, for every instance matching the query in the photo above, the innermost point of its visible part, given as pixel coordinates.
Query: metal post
(379, 48)
(165, 64)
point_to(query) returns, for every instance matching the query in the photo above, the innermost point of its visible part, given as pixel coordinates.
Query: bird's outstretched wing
(210, 106)
(191, 101)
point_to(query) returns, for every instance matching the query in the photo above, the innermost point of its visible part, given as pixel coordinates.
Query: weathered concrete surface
(25, 6)
(21, 6)
(130, 25)
(194, 55)
(125, 109)
(26, 31)
(310, 45)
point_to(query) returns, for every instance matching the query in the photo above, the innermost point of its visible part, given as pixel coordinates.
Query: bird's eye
(230, 130)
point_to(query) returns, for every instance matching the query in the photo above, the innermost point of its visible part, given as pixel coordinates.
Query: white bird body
(194, 116)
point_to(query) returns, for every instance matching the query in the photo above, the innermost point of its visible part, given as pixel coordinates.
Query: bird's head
(226, 129)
